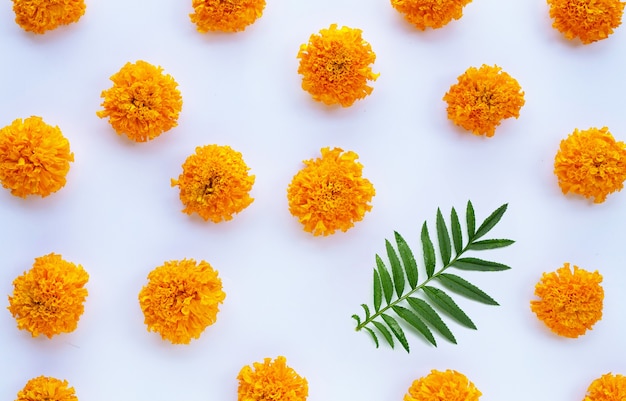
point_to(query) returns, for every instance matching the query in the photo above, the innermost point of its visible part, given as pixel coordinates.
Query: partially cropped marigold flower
(271, 380)
(143, 102)
(482, 98)
(48, 299)
(330, 193)
(39, 16)
(430, 13)
(44, 388)
(225, 15)
(570, 302)
(335, 66)
(449, 386)
(215, 183)
(34, 157)
(608, 387)
(181, 299)
(587, 20)
(591, 163)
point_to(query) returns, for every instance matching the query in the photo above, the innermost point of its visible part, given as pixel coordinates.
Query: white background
(289, 293)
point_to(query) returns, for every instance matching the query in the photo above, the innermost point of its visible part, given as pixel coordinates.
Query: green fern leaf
(490, 244)
(465, 288)
(470, 220)
(383, 330)
(479, 265)
(447, 304)
(408, 260)
(396, 330)
(431, 317)
(385, 279)
(429, 251)
(378, 291)
(367, 311)
(373, 336)
(402, 309)
(417, 323)
(396, 268)
(444, 239)
(457, 237)
(490, 221)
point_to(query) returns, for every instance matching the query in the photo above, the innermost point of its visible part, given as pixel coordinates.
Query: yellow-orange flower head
(143, 102)
(34, 157)
(181, 299)
(587, 20)
(449, 386)
(482, 98)
(591, 163)
(271, 380)
(570, 302)
(225, 15)
(430, 13)
(330, 193)
(608, 387)
(44, 388)
(39, 16)
(336, 66)
(215, 183)
(49, 298)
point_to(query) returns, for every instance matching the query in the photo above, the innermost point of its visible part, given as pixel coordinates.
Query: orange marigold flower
(143, 102)
(449, 385)
(271, 380)
(591, 163)
(608, 387)
(225, 15)
(215, 183)
(587, 20)
(39, 16)
(34, 157)
(181, 299)
(483, 97)
(430, 13)
(570, 302)
(48, 299)
(335, 66)
(44, 388)
(330, 193)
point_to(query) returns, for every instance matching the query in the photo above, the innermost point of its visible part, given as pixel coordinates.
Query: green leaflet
(403, 306)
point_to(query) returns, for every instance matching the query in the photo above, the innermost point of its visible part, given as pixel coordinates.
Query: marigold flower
(39, 16)
(335, 66)
(143, 102)
(449, 385)
(181, 299)
(48, 299)
(225, 15)
(483, 97)
(587, 20)
(34, 157)
(215, 183)
(271, 380)
(330, 193)
(430, 13)
(45, 388)
(591, 163)
(570, 302)
(608, 387)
